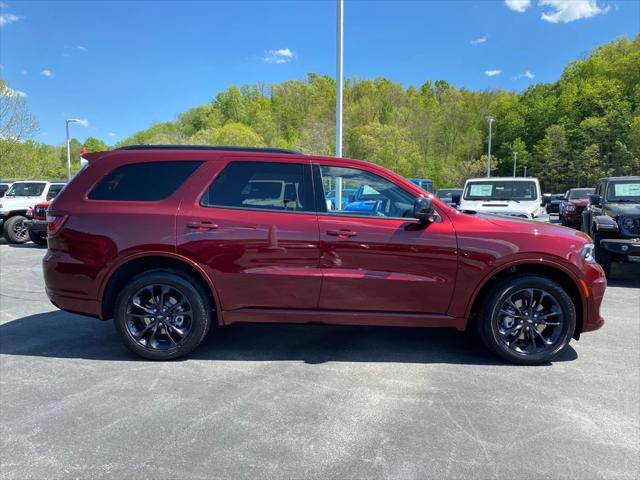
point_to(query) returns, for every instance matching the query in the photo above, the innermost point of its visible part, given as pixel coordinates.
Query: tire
(490, 322)
(15, 231)
(128, 321)
(602, 256)
(38, 238)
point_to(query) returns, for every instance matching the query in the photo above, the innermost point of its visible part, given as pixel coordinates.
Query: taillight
(55, 221)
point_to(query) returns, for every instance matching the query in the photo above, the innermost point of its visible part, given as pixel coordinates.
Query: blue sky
(124, 65)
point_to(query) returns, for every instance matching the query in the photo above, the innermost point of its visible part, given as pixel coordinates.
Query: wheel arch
(119, 276)
(553, 271)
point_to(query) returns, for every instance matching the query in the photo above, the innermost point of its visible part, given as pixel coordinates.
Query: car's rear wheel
(15, 231)
(162, 315)
(527, 319)
(38, 238)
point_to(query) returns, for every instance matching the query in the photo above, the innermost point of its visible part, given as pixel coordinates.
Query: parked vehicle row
(169, 241)
(18, 200)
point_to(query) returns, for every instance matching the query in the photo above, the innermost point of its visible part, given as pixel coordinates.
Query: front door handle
(202, 226)
(342, 233)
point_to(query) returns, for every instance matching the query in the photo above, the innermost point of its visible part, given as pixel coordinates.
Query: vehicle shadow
(64, 335)
(625, 275)
(3, 241)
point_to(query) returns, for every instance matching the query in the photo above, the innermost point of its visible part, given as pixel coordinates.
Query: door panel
(387, 265)
(256, 233)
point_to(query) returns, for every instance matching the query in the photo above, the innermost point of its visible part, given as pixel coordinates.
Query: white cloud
(480, 40)
(526, 74)
(3, 5)
(492, 73)
(519, 6)
(10, 92)
(77, 47)
(7, 18)
(46, 73)
(283, 55)
(565, 11)
(112, 134)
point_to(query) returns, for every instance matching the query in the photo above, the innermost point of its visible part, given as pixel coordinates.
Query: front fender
(605, 224)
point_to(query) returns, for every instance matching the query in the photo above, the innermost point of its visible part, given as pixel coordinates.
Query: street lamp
(515, 162)
(489, 120)
(339, 39)
(525, 171)
(67, 122)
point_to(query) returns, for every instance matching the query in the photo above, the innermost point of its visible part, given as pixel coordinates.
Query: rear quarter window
(146, 182)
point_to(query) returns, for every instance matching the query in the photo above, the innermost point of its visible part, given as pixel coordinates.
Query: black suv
(612, 219)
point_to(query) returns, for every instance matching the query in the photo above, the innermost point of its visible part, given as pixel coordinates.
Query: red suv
(169, 240)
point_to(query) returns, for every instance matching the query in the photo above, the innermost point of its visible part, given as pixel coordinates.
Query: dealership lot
(274, 401)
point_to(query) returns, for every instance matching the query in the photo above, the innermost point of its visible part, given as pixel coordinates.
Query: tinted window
(262, 185)
(54, 190)
(143, 181)
(580, 193)
(363, 193)
(3, 188)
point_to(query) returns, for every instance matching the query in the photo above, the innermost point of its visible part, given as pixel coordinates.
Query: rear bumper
(68, 284)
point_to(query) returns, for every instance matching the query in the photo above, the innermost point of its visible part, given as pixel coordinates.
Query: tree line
(569, 133)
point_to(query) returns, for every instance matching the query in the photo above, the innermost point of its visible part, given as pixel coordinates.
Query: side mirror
(455, 199)
(594, 199)
(423, 210)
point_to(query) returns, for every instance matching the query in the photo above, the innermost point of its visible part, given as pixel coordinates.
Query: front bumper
(37, 226)
(621, 246)
(596, 283)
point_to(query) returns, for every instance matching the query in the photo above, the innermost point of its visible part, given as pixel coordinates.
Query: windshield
(500, 190)
(26, 189)
(580, 193)
(624, 191)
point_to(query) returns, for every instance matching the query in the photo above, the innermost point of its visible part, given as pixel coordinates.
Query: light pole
(489, 120)
(339, 31)
(67, 122)
(515, 162)
(525, 171)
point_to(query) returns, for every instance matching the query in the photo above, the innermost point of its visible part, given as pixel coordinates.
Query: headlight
(587, 253)
(627, 223)
(570, 207)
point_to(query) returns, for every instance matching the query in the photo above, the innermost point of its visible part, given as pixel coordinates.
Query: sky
(123, 65)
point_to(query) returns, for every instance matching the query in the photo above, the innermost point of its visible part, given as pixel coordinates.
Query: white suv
(515, 196)
(21, 197)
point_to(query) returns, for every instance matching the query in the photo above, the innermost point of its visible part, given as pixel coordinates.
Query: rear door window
(144, 182)
(262, 186)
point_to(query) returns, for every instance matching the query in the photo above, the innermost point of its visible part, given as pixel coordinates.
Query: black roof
(221, 148)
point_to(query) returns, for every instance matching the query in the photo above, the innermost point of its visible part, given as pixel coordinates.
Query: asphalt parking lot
(275, 401)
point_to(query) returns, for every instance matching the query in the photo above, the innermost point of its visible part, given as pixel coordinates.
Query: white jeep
(21, 197)
(515, 196)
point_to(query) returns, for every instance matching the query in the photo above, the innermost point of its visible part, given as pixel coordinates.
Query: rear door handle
(202, 226)
(342, 233)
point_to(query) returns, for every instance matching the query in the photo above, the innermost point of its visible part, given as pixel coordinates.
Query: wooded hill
(568, 134)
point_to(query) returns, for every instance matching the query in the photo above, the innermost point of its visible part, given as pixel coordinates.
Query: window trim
(306, 175)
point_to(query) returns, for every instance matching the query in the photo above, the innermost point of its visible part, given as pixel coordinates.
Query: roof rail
(222, 148)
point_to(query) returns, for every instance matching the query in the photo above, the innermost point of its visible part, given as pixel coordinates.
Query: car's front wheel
(15, 231)
(527, 319)
(162, 315)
